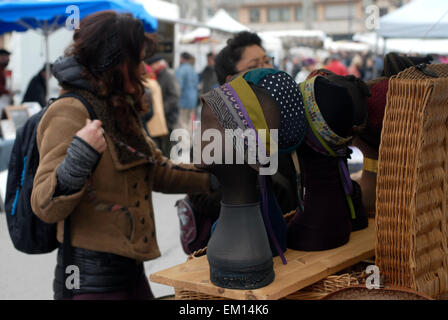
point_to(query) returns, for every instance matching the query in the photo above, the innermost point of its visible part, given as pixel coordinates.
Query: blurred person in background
(209, 80)
(309, 65)
(368, 68)
(188, 83)
(336, 66)
(355, 66)
(37, 88)
(170, 97)
(297, 66)
(5, 94)
(287, 65)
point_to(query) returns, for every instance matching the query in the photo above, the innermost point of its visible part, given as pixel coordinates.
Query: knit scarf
(124, 142)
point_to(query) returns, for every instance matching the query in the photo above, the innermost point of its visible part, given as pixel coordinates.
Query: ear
(228, 78)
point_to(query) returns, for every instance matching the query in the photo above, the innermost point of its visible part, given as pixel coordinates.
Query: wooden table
(303, 269)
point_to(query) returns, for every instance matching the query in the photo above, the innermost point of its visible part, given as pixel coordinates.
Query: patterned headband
(321, 137)
(237, 107)
(284, 90)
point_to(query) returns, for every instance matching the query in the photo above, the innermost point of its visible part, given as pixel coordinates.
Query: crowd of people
(360, 65)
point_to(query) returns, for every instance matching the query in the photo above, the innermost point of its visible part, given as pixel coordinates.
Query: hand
(93, 134)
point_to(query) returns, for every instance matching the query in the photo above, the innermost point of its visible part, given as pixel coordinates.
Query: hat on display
(324, 223)
(236, 106)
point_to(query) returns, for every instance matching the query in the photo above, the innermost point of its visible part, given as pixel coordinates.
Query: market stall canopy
(48, 16)
(345, 45)
(298, 38)
(161, 10)
(406, 46)
(417, 19)
(224, 22)
(197, 35)
(220, 22)
(51, 15)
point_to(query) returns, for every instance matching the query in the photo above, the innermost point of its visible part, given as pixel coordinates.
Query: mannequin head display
(250, 229)
(368, 141)
(324, 223)
(359, 93)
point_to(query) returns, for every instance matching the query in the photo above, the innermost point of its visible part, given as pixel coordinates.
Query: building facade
(337, 18)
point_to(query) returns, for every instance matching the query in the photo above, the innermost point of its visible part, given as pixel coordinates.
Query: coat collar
(126, 148)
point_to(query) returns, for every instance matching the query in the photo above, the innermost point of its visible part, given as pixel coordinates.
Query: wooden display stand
(303, 269)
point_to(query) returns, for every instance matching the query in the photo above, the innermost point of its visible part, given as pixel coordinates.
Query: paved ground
(25, 276)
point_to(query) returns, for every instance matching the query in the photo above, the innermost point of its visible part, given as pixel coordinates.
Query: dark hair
(105, 43)
(186, 56)
(227, 58)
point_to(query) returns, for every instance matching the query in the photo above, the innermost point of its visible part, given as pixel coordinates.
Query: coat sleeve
(167, 179)
(55, 132)
(171, 98)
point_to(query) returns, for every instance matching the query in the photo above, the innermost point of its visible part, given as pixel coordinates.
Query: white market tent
(417, 19)
(221, 21)
(162, 10)
(345, 45)
(420, 26)
(405, 46)
(196, 35)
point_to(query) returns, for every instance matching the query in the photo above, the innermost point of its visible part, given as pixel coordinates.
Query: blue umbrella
(49, 16)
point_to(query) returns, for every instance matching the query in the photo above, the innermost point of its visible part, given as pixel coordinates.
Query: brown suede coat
(129, 184)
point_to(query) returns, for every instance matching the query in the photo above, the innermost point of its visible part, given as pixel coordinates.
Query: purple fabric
(268, 221)
(263, 186)
(345, 175)
(246, 115)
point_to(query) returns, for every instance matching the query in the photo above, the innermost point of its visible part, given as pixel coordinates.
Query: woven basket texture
(362, 293)
(411, 196)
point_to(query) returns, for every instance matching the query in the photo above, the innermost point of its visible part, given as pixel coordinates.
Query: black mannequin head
(336, 106)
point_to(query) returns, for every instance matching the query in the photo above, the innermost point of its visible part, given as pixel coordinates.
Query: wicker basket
(411, 209)
(362, 293)
(352, 276)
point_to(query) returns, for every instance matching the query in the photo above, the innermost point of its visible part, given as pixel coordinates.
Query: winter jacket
(113, 212)
(103, 273)
(188, 82)
(36, 91)
(170, 96)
